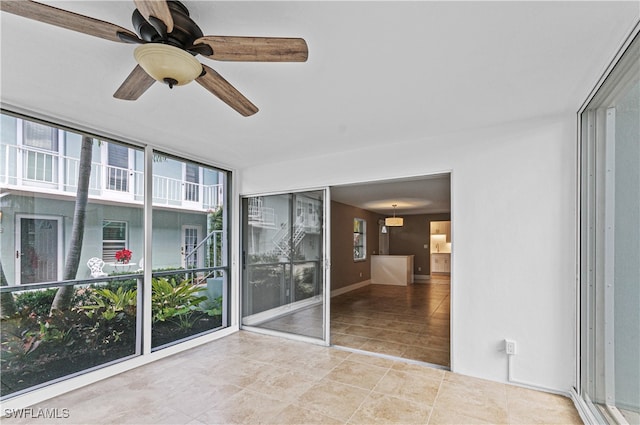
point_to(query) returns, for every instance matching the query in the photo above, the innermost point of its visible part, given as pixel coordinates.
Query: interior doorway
(410, 320)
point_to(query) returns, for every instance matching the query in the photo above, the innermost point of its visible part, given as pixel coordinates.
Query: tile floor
(248, 378)
(404, 321)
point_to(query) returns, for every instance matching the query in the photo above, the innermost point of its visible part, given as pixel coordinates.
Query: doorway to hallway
(411, 321)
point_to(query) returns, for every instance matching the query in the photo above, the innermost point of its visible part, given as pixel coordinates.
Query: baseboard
(421, 277)
(350, 288)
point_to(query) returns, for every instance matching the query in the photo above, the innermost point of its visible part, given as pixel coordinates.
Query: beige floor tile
(384, 409)
(408, 387)
(528, 414)
(245, 407)
(203, 386)
(482, 402)
(296, 415)
(359, 375)
(527, 406)
(451, 417)
(384, 347)
(284, 384)
(345, 340)
(333, 399)
(152, 413)
(318, 365)
(371, 359)
(202, 399)
(419, 370)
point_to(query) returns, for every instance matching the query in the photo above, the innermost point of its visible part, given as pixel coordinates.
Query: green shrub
(174, 301)
(111, 305)
(212, 307)
(36, 301)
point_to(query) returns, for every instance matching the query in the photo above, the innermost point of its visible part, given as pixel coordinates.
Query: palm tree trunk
(7, 304)
(64, 295)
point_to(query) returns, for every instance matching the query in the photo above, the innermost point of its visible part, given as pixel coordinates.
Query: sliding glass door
(610, 245)
(284, 252)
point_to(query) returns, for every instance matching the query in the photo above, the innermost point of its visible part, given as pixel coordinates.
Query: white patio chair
(141, 266)
(96, 264)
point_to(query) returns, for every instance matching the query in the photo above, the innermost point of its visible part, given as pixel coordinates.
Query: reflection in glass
(283, 250)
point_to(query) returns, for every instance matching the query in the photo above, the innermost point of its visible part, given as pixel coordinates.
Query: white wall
(514, 186)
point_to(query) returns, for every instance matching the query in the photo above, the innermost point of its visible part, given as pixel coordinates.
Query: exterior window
(39, 160)
(118, 167)
(114, 238)
(192, 182)
(359, 239)
(40, 136)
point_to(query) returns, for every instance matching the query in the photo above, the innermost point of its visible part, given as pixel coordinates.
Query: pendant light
(394, 221)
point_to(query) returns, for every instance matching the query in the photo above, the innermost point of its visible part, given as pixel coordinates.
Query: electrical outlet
(419, 269)
(510, 347)
(360, 274)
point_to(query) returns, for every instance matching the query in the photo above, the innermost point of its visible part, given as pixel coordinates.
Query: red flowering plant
(123, 256)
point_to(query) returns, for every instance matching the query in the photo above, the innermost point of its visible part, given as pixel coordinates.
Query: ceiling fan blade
(256, 49)
(135, 85)
(217, 85)
(157, 9)
(65, 19)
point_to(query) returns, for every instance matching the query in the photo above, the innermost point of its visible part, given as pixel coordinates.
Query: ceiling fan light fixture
(168, 64)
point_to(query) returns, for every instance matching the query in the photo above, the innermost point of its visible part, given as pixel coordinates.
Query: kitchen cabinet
(441, 228)
(441, 263)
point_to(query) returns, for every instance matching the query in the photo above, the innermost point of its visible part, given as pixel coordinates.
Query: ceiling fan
(170, 40)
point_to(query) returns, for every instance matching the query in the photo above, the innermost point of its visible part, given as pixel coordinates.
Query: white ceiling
(378, 73)
(423, 195)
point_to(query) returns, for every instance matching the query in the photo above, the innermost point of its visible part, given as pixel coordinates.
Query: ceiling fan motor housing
(184, 33)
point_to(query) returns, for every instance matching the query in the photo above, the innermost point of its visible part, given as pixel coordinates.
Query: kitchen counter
(392, 269)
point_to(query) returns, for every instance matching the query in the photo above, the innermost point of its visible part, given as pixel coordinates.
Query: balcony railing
(261, 216)
(46, 171)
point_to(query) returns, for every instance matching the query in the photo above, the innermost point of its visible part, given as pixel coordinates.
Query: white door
(191, 251)
(38, 249)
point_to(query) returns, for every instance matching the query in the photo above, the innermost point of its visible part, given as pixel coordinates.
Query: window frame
(596, 228)
(359, 235)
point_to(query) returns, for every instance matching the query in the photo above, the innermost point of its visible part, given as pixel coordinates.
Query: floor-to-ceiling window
(189, 260)
(610, 245)
(72, 252)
